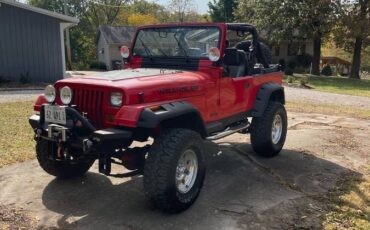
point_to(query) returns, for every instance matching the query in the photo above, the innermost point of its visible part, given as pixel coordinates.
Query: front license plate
(55, 114)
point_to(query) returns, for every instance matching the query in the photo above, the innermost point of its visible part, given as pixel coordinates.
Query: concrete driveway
(241, 190)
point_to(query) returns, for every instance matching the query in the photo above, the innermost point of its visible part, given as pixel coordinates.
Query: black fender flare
(152, 119)
(264, 95)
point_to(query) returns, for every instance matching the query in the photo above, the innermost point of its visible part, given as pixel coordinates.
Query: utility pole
(68, 41)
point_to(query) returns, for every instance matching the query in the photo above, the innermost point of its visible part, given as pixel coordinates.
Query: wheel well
(267, 92)
(188, 121)
(278, 96)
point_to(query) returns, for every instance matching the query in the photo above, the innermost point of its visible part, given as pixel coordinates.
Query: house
(288, 50)
(109, 41)
(32, 42)
(338, 65)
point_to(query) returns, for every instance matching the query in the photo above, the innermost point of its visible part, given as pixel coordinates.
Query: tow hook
(38, 133)
(87, 144)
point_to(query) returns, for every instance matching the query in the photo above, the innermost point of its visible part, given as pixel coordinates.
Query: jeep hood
(144, 85)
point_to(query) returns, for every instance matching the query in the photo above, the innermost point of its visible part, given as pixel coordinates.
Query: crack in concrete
(282, 180)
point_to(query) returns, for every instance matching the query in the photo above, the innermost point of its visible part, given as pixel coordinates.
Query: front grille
(90, 101)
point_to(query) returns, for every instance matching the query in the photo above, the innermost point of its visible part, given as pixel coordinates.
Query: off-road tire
(261, 129)
(160, 170)
(59, 169)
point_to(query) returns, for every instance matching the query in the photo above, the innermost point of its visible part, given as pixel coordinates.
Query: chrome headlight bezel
(116, 99)
(50, 93)
(66, 95)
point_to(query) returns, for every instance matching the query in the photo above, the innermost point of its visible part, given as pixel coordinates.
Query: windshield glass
(191, 42)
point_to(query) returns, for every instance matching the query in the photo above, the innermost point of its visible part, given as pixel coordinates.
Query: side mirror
(125, 52)
(214, 54)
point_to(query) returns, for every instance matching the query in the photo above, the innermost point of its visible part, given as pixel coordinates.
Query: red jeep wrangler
(182, 84)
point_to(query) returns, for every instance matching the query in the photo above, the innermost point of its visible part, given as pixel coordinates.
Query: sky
(200, 5)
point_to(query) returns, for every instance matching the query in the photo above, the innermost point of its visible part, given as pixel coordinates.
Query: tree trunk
(316, 55)
(356, 60)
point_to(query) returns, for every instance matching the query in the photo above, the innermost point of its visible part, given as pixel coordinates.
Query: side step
(228, 131)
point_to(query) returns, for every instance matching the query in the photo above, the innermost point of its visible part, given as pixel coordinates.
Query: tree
(222, 10)
(142, 7)
(292, 19)
(180, 8)
(139, 19)
(353, 30)
(246, 11)
(91, 15)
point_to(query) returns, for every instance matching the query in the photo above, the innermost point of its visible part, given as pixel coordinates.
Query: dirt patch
(13, 218)
(300, 213)
(311, 125)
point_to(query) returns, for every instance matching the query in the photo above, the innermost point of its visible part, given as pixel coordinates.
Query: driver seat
(235, 62)
(245, 46)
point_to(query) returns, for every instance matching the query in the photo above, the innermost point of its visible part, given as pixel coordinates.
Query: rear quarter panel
(258, 81)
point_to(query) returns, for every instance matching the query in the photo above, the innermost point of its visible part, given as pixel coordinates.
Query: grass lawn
(349, 204)
(330, 109)
(337, 85)
(16, 135)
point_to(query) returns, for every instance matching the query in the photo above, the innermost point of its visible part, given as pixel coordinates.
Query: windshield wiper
(162, 52)
(147, 50)
(181, 47)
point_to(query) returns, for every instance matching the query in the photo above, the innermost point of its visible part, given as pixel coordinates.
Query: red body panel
(214, 95)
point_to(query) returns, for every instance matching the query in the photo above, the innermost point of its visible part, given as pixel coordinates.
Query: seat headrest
(244, 45)
(233, 56)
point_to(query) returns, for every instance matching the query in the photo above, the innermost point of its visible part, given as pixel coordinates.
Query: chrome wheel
(277, 129)
(186, 171)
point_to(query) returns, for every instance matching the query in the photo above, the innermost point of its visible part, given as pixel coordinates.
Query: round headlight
(50, 93)
(116, 99)
(66, 95)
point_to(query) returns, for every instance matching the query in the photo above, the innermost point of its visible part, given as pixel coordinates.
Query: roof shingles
(117, 34)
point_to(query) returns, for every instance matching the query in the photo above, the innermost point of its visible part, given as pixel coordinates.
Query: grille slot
(90, 101)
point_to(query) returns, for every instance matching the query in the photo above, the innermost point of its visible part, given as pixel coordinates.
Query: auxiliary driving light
(50, 93)
(66, 95)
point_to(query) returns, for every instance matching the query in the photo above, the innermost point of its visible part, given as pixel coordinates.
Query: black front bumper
(85, 135)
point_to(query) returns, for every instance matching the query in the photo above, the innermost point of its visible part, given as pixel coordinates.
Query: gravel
(316, 97)
(14, 96)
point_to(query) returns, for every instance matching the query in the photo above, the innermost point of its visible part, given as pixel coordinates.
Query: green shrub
(289, 71)
(300, 69)
(282, 64)
(290, 79)
(303, 81)
(76, 66)
(25, 79)
(3, 80)
(98, 65)
(327, 71)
